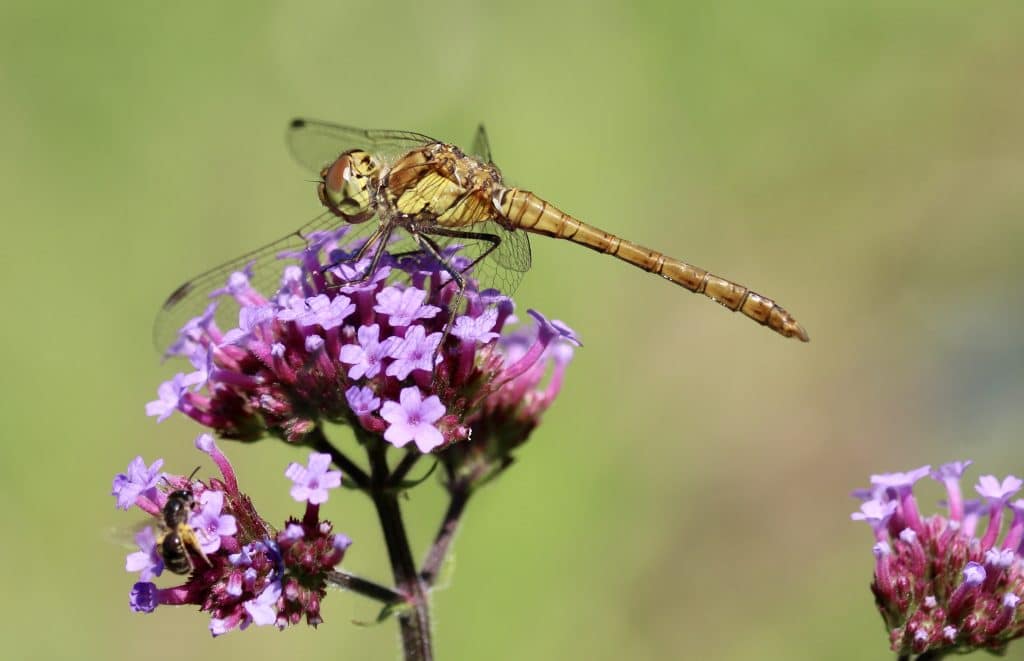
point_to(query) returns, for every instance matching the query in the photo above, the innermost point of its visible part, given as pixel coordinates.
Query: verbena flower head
(939, 586)
(534, 360)
(247, 572)
(374, 355)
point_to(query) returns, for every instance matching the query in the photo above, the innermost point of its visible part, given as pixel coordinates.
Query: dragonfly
(404, 193)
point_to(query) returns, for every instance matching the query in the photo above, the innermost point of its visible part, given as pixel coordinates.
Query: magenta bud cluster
(946, 583)
(244, 571)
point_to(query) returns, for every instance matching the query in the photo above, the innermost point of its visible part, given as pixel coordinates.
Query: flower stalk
(404, 359)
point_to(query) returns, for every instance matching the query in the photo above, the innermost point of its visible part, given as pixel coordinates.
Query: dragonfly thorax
(345, 185)
(438, 186)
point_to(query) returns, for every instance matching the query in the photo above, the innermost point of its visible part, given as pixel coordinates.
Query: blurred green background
(687, 496)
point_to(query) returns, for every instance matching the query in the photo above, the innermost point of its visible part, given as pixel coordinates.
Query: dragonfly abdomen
(524, 210)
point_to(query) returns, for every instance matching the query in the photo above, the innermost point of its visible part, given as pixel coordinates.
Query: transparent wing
(124, 535)
(502, 268)
(316, 144)
(264, 267)
(472, 253)
(481, 145)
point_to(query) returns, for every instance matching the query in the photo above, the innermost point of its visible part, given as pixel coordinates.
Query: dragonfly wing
(481, 145)
(501, 268)
(316, 144)
(514, 252)
(264, 268)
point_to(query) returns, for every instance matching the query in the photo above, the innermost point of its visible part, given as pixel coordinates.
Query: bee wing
(124, 536)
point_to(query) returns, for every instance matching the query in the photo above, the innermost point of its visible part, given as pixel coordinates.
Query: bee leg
(189, 538)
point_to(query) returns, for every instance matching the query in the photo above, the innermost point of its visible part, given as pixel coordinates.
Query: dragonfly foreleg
(380, 236)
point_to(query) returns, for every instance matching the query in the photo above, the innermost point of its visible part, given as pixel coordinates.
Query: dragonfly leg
(430, 247)
(380, 236)
(493, 239)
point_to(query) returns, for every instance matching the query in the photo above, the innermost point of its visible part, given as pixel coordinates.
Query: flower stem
(445, 534)
(404, 466)
(413, 621)
(375, 591)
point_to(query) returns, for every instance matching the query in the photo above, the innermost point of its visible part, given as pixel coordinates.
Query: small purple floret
(263, 609)
(404, 306)
(900, 481)
(319, 310)
(143, 597)
(341, 542)
(995, 491)
(311, 483)
(875, 513)
(366, 358)
(414, 352)
(362, 401)
(974, 574)
(554, 328)
(953, 470)
(147, 560)
(476, 329)
(170, 394)
(209, 523)
(413, 420)
(249, 319)
(138, 480)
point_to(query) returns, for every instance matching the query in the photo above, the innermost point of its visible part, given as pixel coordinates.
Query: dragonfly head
(345, 185)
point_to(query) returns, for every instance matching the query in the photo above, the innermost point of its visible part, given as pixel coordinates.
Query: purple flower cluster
(531, 376)
(244, 572)
(939, 584)
(377, 355)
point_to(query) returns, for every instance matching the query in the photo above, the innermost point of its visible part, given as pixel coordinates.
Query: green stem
(414, 620)
(352, 583)
(348, 467)
(445, 534)
(404, 466)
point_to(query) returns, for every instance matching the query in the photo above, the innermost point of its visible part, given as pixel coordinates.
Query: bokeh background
(687, 497)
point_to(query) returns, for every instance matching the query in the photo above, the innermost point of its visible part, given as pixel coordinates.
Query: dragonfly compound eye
(345, 186)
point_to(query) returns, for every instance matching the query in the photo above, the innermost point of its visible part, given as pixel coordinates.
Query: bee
(179, 537)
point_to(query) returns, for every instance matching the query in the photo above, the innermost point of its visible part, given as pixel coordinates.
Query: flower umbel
(939, 587)
(377, 355)
(247, 573)
(407, 357)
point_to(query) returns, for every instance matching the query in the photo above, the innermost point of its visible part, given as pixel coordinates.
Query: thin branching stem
(445, 535)
(352, 583)
(405, 465)
(413, 621)
(348, 467)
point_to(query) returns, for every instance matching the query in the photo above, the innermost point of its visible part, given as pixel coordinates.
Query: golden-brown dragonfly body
(439, 187)
(526, 211)
(445, 202)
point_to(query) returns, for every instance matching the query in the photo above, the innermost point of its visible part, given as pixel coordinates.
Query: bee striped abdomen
(174, 553)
